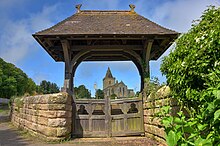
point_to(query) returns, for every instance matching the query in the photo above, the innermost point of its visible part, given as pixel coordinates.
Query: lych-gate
(105, 117)
(105, 36)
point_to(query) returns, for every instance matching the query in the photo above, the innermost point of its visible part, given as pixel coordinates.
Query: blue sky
(19, 19)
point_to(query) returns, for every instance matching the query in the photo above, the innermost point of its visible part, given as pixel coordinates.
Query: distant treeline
(14, 82)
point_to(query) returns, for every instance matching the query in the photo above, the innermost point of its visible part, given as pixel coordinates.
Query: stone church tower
(113, 87)
(108, 80)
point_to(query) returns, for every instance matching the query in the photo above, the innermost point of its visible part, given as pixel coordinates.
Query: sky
(19, 19)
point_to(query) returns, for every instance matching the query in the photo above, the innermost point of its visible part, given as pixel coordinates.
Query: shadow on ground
(9, 137)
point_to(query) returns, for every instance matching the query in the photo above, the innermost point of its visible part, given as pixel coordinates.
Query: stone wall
(153, 127)
(47, 116)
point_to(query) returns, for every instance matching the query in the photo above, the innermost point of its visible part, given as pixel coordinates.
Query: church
(111, 87)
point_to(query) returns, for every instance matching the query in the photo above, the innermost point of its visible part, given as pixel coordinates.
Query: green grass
(4, 109)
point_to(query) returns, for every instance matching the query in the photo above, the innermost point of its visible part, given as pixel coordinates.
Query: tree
(46, 87)
(13, 81)
(113, 96)
(82, 92)
(99, 94)
(193, 74)
(31, 87)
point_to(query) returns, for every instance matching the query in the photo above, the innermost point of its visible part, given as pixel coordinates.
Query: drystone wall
(152, 106)
(48, 117)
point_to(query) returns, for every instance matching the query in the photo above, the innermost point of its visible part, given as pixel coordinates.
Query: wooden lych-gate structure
(105, 117)
(105, 36)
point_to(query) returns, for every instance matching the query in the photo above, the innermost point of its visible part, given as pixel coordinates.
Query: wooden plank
(66, 52)
(147, 55)
(105, 47)
(107, 125)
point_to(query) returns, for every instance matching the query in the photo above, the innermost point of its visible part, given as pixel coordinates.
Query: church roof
(108, 74)
(91, 22)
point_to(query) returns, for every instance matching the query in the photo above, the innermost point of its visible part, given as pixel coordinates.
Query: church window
(123, 91)
(109, 82)
(112, 91)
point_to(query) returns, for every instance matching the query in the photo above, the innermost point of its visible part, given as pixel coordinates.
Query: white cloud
(40, 76)
(17, 41)
(179, 14)
(14, 44)
(43, 19)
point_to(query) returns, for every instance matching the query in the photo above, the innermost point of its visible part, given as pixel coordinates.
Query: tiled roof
(106, 22)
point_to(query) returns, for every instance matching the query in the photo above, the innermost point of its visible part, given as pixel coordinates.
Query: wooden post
(146, 58)
(147, 49)
(108, 116)
(68, 80)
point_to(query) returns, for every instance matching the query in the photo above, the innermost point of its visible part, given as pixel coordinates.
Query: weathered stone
(164, 92)
(42, 106)
(32, 106)
(34, 119)
(58, 99)
(63, 114)
(64, 131)
(152, 112)
(39, 111)
(48, 131)
(154, 130)
(152, 120)
(49, 114)
(43, 100)
(28, 117)
(32, 126)
(60, 107)
(42, 120)
(58, 122)
(157, 138)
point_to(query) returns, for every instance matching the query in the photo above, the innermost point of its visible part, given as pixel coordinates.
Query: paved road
(9, 136)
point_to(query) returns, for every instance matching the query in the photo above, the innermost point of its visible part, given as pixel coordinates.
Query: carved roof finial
(78, 8)
(132, 7)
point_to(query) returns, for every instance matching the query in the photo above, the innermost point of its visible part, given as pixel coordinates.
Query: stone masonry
(153, 127)
(48, 117)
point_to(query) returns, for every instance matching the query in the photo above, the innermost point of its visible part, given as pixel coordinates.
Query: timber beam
(68, 81)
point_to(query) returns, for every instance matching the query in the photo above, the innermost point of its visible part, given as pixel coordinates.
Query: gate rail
(105, 117)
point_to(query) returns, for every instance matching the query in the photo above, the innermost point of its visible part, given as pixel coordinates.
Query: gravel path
(9, 136)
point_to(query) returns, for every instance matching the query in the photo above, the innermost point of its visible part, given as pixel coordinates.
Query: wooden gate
(105, 117)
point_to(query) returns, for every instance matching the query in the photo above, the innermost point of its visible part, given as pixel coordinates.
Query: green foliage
(82, 92)
(99, 94)
(31, 87)
(46, 87)
(193, 74)
(151, 86)
(18, 102)
(13, 81)
(113, 96)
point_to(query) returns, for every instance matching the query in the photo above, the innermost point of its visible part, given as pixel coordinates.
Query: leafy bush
(193, 74)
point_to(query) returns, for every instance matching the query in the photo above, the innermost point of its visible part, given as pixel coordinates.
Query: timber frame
(105, 36)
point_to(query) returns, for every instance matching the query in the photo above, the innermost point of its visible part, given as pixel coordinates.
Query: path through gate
(106, 118)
